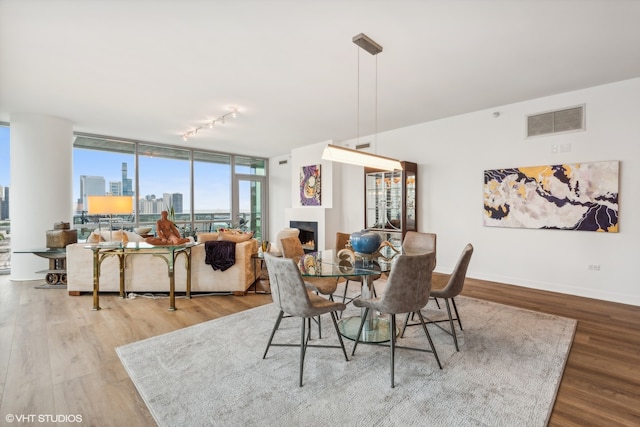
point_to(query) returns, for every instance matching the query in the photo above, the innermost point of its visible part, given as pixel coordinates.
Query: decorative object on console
(61, 235)
(110, 205)
(167, 232)
(578, 196)
(310, 185)
(143, 231)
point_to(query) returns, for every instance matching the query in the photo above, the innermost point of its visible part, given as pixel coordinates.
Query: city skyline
(214, 196)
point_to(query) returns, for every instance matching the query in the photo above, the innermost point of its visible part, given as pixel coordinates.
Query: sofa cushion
(205, 237)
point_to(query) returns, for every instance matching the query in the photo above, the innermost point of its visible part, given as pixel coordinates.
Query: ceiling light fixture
(210, 124)
(336, 153)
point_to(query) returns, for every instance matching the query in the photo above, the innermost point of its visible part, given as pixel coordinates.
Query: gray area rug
(506, 374)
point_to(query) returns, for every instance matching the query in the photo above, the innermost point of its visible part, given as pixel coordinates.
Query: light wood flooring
(57, 356)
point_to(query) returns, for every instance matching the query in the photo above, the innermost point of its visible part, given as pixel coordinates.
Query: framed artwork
(578, 196)
(310, 185)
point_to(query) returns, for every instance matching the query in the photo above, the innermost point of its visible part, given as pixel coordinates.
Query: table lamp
(110, 205)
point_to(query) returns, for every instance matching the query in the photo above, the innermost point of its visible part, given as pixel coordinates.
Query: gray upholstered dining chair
(452, 289)
(418, 242)
(407, 291)
(292, 248)
(292, 297)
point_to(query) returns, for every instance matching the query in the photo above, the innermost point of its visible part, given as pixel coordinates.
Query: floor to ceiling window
(250, 203)
(200, 189)
(212, 190)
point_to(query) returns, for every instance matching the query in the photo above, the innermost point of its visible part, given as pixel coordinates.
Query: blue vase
(365, 242)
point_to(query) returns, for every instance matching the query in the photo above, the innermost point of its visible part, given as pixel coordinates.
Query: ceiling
(152, 70)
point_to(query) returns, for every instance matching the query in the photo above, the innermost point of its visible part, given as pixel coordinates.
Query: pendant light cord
(358, 102)
(375, 126)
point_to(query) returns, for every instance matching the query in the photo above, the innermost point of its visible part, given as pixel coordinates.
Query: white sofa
(146, 273)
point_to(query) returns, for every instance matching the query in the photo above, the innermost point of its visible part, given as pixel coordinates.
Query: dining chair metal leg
(364, 319)
(453, 328)
(273, 332)
(406, 322)
(453, 301)
(335, 325)
(392, 347)
(426, 332)
(303, 346)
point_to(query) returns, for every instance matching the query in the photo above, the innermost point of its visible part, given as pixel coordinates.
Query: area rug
(506, 373)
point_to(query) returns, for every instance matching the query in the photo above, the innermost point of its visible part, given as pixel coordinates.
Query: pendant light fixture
(346, 155)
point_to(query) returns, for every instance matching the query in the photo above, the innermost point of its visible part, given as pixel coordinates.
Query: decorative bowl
(142, 230)
(365, 242)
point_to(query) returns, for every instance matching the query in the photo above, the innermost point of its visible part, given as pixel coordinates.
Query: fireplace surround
(308, 234)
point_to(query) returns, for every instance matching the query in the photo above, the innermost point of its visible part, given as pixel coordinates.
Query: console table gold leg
(172, 294)
(122, 260)
(96, 281)
(188, 265)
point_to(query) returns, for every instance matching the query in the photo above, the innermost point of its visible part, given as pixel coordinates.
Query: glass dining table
(345, 263)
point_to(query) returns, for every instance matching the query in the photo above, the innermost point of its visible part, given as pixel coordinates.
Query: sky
(4, 155)
(212, 182)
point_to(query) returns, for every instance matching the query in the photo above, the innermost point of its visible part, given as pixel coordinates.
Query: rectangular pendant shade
(336, 153)
(109, 205)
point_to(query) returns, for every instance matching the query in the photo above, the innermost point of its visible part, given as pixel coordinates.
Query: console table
(169, 253)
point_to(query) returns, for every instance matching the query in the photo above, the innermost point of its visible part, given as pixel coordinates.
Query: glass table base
(375, 330)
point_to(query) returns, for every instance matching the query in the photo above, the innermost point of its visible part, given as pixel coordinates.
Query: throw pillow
(94, 237)
(235, 236)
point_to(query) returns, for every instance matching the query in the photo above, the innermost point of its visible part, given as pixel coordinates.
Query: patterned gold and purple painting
(310, 185)
(578, 196)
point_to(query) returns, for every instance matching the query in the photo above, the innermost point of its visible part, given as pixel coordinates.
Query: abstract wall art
(578, 196)
(310, 185)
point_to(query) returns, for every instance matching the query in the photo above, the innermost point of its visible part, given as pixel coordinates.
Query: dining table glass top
(329, 263)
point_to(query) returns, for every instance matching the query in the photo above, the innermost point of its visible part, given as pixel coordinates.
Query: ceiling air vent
(566, 120)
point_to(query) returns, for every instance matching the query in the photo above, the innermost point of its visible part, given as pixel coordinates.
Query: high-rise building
(115, 188)
(4, 202)
(172, 200)
(91, 186)
(177, 202)
(127, 183)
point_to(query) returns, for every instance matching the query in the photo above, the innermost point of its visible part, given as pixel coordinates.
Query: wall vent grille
(552, 122)
(363, 146)
(283, 162)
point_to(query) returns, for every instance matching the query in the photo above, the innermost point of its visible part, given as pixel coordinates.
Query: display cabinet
(391, 201)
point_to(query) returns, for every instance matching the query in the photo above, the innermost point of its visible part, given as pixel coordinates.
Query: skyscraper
(127, 185)
(91, 186)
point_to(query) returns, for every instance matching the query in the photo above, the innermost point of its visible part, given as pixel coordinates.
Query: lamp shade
(336, 153)
(109, 205)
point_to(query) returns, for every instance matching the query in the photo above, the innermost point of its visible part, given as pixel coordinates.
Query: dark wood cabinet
(391, 205)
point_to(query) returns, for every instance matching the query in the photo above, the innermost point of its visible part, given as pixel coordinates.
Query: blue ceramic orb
(365, 242)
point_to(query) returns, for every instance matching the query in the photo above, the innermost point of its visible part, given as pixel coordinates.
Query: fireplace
(308, 234)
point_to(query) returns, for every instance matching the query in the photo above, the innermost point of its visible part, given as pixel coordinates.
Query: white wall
(452, 155)
(279, 194)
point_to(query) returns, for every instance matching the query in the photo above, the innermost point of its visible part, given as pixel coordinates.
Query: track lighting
(221, 119)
